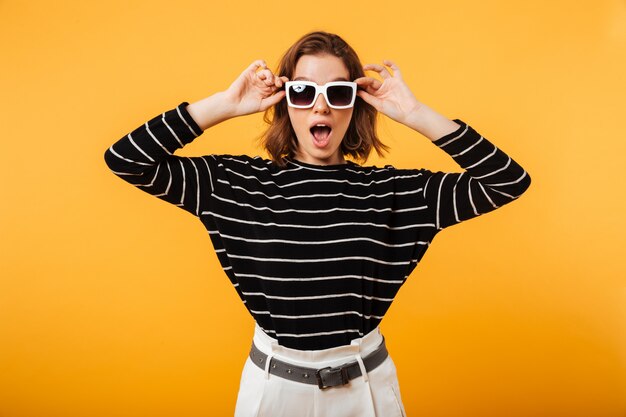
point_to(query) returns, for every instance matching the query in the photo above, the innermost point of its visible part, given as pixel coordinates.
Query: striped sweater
(316, 253)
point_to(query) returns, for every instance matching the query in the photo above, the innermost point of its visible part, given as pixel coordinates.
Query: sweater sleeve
(145, 158)
(490, 179)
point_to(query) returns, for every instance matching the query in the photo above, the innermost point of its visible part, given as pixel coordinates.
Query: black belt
(324, 377)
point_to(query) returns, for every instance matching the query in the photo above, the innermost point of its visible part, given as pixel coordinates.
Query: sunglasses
(338, 94)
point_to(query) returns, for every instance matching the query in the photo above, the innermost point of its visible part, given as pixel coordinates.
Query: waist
(313, 358)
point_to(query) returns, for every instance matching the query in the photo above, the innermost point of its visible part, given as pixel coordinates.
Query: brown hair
(280, 139)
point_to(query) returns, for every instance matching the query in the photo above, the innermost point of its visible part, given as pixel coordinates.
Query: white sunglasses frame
(321, 89)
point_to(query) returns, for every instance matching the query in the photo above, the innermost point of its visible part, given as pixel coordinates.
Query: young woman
(317, 245)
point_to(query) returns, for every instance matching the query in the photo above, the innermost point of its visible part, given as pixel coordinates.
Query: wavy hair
(280, 141)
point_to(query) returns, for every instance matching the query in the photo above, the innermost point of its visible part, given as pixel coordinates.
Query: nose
(320, 104)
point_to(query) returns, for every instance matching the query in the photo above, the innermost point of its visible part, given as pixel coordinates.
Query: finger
(272, 100)
(394, 67)
(267, 76)
(259, 63)
(369, 99)
(368, 83)
(280, 81)
(364, 81)
(378, 68)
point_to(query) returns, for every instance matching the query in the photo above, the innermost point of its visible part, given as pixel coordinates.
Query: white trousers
(373, 394)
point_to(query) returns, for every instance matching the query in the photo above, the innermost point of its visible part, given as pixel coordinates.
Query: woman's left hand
(392, 97)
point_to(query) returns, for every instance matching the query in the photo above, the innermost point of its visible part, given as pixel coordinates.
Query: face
(320, 149)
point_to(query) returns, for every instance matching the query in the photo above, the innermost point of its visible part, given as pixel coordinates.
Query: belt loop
(267, 365)
(269, 359)
(359, 359)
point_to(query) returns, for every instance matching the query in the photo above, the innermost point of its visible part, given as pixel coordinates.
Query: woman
(316, 245)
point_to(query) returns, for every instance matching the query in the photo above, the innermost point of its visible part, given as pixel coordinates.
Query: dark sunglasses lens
(301, 95)
(340, 95)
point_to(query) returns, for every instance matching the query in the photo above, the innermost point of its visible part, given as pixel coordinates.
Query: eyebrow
(306, 79)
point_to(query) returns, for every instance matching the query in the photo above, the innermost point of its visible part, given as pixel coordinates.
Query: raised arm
(145, 157)
(490, 178)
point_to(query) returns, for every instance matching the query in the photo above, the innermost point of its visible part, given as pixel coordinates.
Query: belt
(324, 377)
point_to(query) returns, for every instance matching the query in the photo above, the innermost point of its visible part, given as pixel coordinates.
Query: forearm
(145, 158)
(429, 123)
(211, 110)
(140, 151)
(490, 178)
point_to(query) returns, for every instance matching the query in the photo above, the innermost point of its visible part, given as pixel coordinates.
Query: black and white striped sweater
(316, 253)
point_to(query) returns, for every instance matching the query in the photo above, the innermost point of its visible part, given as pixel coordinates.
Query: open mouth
(321, 135)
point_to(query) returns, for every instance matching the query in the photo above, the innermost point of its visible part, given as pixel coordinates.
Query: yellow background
(112, 302)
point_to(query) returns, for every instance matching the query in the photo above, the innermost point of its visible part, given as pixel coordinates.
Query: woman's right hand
(254, 91)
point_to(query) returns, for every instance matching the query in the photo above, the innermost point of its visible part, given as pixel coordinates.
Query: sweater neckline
(332, 167)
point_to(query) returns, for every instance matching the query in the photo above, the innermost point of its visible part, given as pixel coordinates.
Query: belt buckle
(339, 370)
